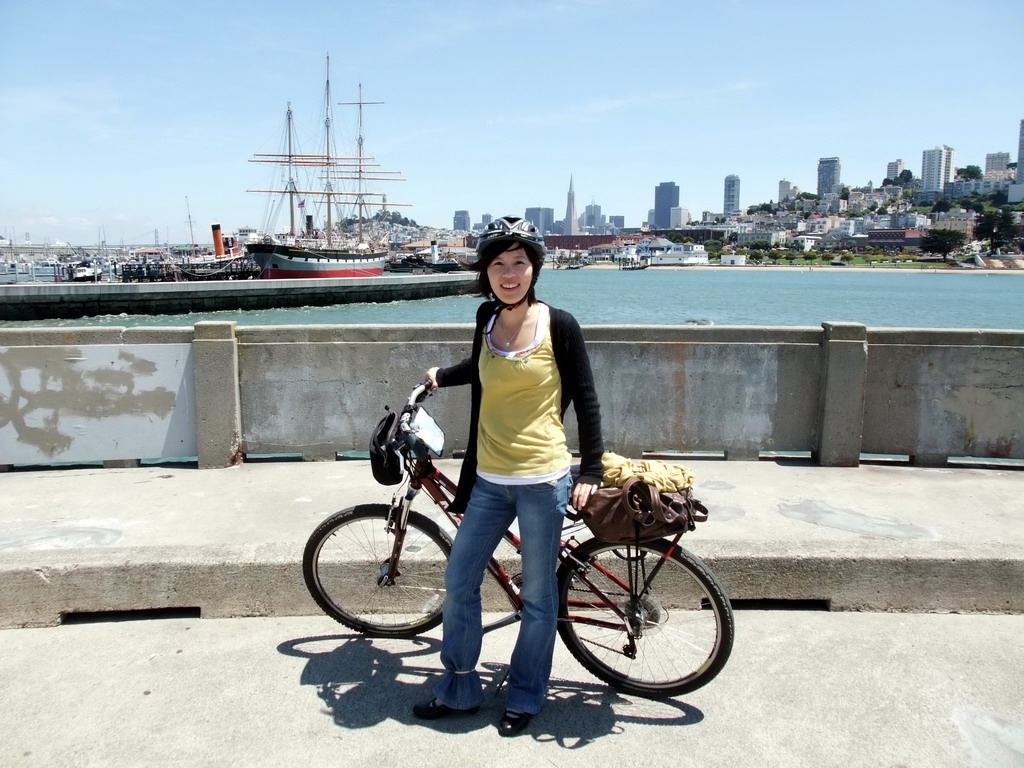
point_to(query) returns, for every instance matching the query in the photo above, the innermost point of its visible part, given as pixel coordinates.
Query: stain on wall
(105, 401)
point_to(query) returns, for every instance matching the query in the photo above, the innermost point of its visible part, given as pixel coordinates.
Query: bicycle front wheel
(346, 564)
(648, 620)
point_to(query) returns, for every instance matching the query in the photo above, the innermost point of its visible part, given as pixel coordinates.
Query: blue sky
(113, 113)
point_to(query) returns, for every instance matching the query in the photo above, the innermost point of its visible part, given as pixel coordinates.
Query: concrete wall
(220, 393)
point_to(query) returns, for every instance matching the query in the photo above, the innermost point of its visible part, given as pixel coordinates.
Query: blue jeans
(540, 509)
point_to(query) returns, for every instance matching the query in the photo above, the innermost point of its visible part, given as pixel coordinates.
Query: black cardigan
(577, 388)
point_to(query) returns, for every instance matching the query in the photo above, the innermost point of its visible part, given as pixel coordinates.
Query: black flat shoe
(434, 709)
(513, 723)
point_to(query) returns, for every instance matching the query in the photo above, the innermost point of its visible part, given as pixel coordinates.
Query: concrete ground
(801, 689)
(922, 687)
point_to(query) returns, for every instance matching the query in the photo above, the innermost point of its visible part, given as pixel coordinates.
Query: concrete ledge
(266, 580)
(229, 542)
(919, 584)
(221, 582)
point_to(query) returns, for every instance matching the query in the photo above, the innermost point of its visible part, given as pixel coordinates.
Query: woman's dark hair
(482, 285)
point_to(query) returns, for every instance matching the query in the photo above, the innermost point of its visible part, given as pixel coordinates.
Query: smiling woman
(528, 362)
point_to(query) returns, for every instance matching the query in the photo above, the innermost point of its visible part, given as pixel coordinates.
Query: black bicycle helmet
(507, 230)
(385, 460)
(497, 237)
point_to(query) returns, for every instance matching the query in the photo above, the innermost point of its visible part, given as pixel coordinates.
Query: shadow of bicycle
(363, 682)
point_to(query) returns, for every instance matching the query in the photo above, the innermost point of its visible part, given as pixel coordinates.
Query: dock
(48, 301)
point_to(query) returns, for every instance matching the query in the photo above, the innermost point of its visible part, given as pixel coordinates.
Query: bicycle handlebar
(419, 393)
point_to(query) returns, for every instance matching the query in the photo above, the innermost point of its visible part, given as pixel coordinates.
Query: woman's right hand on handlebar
(431, 377)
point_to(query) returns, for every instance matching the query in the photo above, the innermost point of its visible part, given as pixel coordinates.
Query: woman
(528, 363)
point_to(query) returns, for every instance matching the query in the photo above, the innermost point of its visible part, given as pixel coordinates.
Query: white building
(894, 169)
(678, 217)
(962, 188)
(805, 242)
(937, 168)
(775, 237)
(664, 253)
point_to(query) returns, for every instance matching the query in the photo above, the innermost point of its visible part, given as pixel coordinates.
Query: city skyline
(121, 128)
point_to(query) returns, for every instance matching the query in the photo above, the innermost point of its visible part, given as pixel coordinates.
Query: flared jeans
(540, 510)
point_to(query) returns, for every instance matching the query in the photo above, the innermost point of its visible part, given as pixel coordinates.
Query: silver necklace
(509, 339)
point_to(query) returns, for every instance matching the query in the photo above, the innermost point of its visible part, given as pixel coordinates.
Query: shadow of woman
(364, 682)
(577, 714)
(361, 682)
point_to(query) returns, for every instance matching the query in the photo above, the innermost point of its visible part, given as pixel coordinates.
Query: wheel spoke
(680, 626)
(348, 557)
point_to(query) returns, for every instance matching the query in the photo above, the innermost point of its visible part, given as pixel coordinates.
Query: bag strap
(645, 504)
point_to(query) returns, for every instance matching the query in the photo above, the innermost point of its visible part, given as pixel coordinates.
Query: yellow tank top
(521, 434)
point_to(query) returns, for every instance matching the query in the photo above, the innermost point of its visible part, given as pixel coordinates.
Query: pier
(42, 301)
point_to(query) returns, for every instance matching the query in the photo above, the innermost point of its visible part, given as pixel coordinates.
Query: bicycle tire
(686, 624)
(347, 554)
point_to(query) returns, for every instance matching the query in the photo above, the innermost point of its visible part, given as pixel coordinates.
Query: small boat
(630, 265)
(311, 251)
(82, 272)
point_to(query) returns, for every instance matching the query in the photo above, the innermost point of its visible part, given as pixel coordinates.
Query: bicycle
(649, 619)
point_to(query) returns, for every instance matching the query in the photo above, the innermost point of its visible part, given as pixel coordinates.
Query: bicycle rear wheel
(681, 620)
(345, 565)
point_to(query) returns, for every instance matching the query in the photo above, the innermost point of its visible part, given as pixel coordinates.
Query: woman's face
(511, 274)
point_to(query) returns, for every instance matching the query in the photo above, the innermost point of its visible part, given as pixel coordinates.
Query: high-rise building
(593, 219)
(541, 218)
(732, 194)
(1020, 155)
(1015, 194)
(894, 169)
(619, 222)
(486, 219)
(461, 221)
(828, 175)
(785, 190)
(666, 197)
(569, 226)
(995, 164)
(937, 168)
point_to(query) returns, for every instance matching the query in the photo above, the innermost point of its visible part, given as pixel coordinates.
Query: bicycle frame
(424, 476)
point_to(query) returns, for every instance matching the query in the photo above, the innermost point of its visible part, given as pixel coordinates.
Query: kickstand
(501, 681)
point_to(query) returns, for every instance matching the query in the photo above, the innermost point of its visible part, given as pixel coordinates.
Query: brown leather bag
(639, 512)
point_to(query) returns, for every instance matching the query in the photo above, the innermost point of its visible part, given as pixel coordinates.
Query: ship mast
(360, 166)
(327, 152)
(291, 174)
(328, 132)
(191, 236)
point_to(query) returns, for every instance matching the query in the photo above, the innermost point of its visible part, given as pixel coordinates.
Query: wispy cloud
(584, 111)
(92, 109)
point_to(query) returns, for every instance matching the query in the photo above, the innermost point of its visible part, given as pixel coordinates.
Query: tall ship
(326, 197)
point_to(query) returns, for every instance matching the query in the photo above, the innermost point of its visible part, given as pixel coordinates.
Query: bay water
(773, 296)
